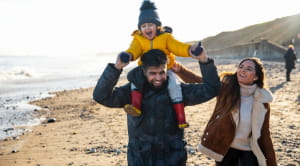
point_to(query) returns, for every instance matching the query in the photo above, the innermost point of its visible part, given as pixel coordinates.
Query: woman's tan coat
(220, 130)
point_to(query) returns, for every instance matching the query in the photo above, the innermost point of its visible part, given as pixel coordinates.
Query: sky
(82, 27)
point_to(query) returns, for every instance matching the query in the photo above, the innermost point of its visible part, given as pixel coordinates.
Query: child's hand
(125, 57)
(197, 48)
(122, 60)
(202, 57)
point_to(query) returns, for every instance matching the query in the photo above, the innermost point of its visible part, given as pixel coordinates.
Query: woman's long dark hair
(229, 97)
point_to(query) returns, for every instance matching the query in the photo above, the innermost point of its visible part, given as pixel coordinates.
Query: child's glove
(125, 57)
(198, 49)
(168, 29)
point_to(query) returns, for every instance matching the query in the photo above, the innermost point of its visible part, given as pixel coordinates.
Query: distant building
(264, 49)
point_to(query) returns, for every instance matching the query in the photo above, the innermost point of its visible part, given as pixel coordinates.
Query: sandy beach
(86, 133)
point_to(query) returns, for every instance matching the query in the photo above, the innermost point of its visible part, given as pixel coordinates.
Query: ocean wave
(16, 74)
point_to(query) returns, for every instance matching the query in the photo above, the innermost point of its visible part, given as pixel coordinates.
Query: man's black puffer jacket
(154, 137)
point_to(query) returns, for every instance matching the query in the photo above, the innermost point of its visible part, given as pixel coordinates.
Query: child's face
(149, 30)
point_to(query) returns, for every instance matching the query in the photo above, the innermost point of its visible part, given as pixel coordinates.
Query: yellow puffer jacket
(164, 42)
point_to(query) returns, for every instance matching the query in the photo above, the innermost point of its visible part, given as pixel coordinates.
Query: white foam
(16, 74)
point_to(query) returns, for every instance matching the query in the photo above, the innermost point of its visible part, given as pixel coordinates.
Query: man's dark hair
(153, 57)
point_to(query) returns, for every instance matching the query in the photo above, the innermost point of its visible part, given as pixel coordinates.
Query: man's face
(156, 75)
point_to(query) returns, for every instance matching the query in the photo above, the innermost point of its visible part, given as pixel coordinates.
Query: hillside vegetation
(281, 31)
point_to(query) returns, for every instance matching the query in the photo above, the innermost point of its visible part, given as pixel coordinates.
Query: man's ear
(144, 71)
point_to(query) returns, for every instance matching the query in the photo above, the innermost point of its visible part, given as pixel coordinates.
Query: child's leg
(136, 97)
(175, 92)
(134, 108)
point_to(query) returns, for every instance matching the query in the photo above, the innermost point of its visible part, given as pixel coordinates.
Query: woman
(237, 133)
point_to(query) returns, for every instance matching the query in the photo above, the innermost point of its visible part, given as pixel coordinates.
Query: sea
(28, 78)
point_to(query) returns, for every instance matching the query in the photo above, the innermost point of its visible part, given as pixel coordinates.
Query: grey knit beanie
(148, 14)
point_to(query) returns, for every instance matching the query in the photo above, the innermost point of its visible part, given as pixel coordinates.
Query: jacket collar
(263, 95)
(259, 111)
(136, 76)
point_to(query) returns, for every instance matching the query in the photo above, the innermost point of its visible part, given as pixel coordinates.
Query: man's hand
(123, 60)
(176, 67)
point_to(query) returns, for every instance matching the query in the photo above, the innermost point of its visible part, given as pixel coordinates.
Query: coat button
(218, 116)
(206, 133)
(204, 139)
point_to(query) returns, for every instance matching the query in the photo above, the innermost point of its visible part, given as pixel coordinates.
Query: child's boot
(134, 108)
(179, 109)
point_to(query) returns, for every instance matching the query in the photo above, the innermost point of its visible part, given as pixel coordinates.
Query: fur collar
(263, 95)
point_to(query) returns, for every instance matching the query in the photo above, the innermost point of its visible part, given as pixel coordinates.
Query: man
(154, 136)
(290, 60)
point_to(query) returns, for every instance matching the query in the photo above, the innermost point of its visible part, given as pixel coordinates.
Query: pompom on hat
(148, 14)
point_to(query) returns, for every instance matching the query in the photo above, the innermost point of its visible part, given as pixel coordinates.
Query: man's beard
(158, 88)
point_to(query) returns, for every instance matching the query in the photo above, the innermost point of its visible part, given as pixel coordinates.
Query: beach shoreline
(26, 79)
(87, 133)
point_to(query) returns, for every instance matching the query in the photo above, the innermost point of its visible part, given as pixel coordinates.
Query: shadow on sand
(274, 89)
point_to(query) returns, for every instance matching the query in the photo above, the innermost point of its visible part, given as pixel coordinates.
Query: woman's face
(246, 73)
(149, 30)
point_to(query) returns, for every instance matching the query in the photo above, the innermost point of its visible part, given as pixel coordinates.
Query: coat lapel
(259, 111)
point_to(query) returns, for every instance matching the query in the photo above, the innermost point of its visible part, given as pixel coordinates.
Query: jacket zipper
(151, 44)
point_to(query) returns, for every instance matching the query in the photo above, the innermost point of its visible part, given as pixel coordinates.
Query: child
(151, 36)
